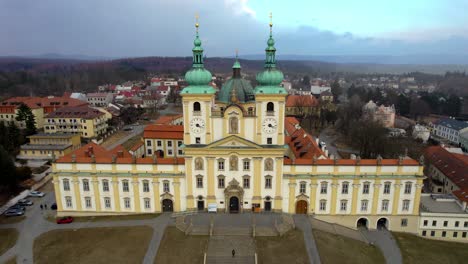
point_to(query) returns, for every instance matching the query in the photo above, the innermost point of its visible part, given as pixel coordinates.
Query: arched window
(270, 107)
(268, 182)
(233, 125)
(196, 107)
(268, 164)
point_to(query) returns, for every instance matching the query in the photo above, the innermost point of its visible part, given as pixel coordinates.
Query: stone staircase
(232, 231)
(220, 249)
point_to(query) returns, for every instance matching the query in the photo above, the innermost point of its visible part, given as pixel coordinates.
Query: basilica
(237, 152)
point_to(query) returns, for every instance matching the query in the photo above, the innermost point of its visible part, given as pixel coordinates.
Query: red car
(65, 220)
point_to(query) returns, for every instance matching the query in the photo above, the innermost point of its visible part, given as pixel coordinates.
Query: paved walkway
(384, 240)
(302, 222)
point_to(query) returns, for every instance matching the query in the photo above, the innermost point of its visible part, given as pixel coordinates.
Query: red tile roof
(167, 120)
(301, 144)
(301, 101)
(84, 112)
(164, 132)
(453, 166)
(48, 103)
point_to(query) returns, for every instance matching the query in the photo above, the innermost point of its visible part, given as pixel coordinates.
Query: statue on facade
(198, 164)
(233, 126)
(233, 163)
(268, 164)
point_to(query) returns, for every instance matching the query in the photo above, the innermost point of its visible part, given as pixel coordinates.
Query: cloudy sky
(129, 28)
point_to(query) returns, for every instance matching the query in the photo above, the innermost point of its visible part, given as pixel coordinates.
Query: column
(136, 194)
(417, 196)
(258, 127)
(396, 197)
(257, 177)
(97, 196)
(355, 186)
(375, 197)
(292, 192)
(76, 189)
(334, 186)
(157, 200)
(115, 188)
(211, 198)
(208, 122)
(186, 123)
(281, 123)
(188, 176)
(176, 185)
(279, 179)
(58, 195)
(313, 195)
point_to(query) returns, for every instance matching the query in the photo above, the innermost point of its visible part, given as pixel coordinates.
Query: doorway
(167, 205)
(267, 206)
(200, 205)
(234, 204)
(301, 207)
(362, 223)
(382, 223)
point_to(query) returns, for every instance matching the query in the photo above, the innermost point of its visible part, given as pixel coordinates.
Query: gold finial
(271, 21)
(196, 21)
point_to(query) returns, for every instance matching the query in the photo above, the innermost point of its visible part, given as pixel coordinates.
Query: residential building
(326, 96)
(463, 138)
(170, 120)
(49, 146)
(421, 132)
(84, 120)
(163, 140)
(450, 129)
(301, 105)
(100, 99)
(316, 90)
(384, 114)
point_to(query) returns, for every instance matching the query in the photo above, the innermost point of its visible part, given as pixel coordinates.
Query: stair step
(230, 260)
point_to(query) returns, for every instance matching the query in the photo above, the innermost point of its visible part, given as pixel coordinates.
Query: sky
(134, 28)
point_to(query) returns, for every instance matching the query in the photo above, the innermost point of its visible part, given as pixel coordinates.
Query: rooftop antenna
(196, 21)
(271, 22)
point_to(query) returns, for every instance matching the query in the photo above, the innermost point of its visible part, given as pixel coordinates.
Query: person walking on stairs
(233, 253)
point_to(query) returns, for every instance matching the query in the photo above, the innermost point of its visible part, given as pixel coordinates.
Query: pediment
(234, 142)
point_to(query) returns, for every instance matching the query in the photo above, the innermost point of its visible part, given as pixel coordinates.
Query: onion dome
(236, 87)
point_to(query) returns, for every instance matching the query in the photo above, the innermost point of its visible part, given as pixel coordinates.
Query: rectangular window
(159, 143)
(145, 186)
(180, 152)
(88, 202)
(68, 202)
(365, 188)
(344, 205)
(464, 234)
(125, 187)
(179, 143)
(150, 152)
(197, 140)
(465, 224)
(457, 223)
(386, 189)
(169, 152)
(66, 185)
(445, 223)
(323, 187)
(220, 182)
(408, 188)
(246, 165)
(105, 186)
(425, 223)
(246, 183)
(406, 204)
(107, 202)
(127, 203)
(364, 204)
(404, 222)
(455, 234)
(147, 203)
(444, 233)
(221, 165)
(424, 233)
(384, 205)
(148, 143)
(269, 141)
(169, 144)
(302, 187)
(166, 187)
(323, 205)
(434, 223)
(432, 233)
(267, 183)
(85, 185)
(344, 188)
(199, 182)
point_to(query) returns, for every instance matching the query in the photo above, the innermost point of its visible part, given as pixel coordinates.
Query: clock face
(197, 125)
(269, 125)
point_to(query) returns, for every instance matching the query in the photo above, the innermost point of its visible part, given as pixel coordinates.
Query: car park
(17, 207)
(65, 220)
(25, 202)
(14, 212)
(36, 194)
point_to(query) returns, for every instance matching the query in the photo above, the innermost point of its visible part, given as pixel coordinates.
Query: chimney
(120, 154)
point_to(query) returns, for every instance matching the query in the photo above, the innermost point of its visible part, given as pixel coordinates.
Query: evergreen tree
(7, 167)
(13, 137)
(25, 114)
(336, 89)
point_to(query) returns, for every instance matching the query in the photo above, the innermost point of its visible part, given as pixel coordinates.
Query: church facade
(236, 152)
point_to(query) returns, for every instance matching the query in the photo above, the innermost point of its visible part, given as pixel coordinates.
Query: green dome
(243, 90)
(197, 41)
(198, 76)
(270, 77)
(271, 42)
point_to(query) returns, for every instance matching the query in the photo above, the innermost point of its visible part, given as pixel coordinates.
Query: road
(136, 130)
(329, 137)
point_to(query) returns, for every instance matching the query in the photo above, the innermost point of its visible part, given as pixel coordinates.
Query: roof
(54, 135)
(301, 100)
(97, 94)
(452, 123)
(440, 203)
(326, 93)
(137, 146)
(167, 120)
(91, 151)
(39, 102)
(45, 147)
(84, 112)
(164, 132)
(162, 88)
(302, 145)
(453, 166)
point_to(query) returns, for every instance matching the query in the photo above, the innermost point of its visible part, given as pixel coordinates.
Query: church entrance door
(301, 207)
(234, 204)
(167, 205)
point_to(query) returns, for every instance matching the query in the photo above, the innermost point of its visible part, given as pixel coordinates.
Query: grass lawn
(421, 250)
(11, 220)
(132, 141)
(335, 249)
(8, 239)
(289, 248)
(93, 245)
(11, 261)
(178, 248)
(51, 217)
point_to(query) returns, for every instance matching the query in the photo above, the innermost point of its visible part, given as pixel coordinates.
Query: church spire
(270, 61)
(197, 49)
(236, 67)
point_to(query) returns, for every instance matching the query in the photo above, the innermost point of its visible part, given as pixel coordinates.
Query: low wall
(337, 230)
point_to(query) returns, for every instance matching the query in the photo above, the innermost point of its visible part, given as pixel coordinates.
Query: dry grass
(421, 250)
(334, 249)
(289, 248)
(93, 245)
(8, 239)
(132, 141)
(11, 220)
(52, 218)
(178, 248)
(12, 260)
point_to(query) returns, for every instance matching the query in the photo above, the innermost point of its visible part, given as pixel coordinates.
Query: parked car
(128, 129)
(36, 194)
(25, 202)
(53, 206)
(65, 220)
(323, 144)
(17, 207)
(14, 212)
